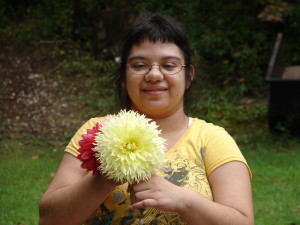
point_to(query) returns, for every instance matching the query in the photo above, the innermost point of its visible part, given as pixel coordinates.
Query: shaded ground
(34, 99)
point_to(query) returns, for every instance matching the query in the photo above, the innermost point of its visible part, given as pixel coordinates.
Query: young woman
(205, 178)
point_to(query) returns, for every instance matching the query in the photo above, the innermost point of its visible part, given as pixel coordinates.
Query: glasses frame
(150, 68)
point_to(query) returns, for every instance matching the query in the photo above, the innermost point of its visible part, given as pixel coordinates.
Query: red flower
(87, 155)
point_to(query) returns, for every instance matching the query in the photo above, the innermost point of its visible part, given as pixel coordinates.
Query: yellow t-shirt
(201, 149)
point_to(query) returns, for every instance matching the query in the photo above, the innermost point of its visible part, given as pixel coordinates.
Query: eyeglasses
(166, 68)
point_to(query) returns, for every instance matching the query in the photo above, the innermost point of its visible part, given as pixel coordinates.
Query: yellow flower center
(129, 147)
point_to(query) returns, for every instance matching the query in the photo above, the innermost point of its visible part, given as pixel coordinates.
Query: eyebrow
(144, 58)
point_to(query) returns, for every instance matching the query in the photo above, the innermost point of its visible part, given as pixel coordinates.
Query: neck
(172, 127)
(176, 122)
(171, 122)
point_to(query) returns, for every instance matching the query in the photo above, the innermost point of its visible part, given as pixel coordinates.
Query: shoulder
(91, 122)
(210, 134)
(73, 145)
(207, 136)
(206, 125)
(206, 130)
(217, 146)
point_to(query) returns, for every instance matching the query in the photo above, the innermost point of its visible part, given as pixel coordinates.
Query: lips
(154, 90)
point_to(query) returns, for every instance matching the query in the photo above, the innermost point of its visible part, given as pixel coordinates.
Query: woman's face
(155, 94)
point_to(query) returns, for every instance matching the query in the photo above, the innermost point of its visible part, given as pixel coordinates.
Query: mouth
(154, 90)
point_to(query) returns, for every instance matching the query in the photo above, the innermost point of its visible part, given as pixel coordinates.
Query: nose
(154, 74)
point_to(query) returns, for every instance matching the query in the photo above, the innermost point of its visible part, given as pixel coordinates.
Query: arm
(73, 195)
(231, 188)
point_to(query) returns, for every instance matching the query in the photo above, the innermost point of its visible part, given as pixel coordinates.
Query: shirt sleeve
(220, 149)
(73, 145)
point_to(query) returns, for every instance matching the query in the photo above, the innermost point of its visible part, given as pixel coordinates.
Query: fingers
(145, 185)
(151, 203)
(137, 196)
(146, 194)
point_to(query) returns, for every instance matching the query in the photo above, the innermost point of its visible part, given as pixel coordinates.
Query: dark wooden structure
(284, 101)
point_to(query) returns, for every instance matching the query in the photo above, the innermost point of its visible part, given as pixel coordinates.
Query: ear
(124, 84)
(192, 75)
(192, 72)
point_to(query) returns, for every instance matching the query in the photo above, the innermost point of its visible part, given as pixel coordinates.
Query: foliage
(31, 22)
(230, 42)
(97, 74)
(227, 107)
(292, 34)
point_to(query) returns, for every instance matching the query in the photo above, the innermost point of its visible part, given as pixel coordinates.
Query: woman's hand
(232, 200)
(156, 193)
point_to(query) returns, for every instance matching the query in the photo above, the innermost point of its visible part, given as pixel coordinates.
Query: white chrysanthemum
(129, 147)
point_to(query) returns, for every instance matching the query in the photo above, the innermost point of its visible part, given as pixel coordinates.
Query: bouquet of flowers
(125, 147)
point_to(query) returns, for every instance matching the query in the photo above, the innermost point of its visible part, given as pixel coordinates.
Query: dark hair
(153, 27)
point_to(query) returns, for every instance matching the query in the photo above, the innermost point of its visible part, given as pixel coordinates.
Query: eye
(169, 65)
(138, 66)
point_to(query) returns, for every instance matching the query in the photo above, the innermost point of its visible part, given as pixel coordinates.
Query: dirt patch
(35, 100)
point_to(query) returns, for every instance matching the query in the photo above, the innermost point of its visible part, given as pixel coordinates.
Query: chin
(155, 112)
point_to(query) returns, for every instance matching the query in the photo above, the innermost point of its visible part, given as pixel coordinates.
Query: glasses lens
(139, 68)
(171, 67)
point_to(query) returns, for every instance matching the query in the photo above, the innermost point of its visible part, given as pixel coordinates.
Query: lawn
(276, 182)
(28, 165)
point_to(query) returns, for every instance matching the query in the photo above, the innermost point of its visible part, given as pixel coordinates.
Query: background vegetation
(78, 39)
(232, 40)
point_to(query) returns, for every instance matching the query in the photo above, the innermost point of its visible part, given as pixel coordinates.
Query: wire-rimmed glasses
(166, 68)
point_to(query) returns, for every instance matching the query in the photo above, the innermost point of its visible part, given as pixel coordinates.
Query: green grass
(27, 167)
(274, 161)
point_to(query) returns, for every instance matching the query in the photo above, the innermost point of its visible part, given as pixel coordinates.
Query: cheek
(132, 85)
(128, 81)
(180, 85)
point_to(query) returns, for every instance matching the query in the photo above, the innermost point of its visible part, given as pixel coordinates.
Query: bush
(291, 34)
(230, 42)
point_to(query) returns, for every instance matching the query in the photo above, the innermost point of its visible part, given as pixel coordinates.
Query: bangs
(155, 31)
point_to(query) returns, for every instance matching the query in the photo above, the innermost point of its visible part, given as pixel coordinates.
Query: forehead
(155, 51)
